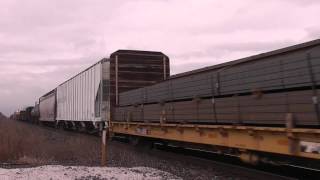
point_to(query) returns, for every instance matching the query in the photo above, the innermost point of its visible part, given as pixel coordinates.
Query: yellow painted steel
(265, 139)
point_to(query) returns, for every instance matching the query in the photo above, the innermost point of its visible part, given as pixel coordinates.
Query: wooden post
(104, 149)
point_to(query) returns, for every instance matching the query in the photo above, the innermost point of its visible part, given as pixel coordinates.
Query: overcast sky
(44, 42)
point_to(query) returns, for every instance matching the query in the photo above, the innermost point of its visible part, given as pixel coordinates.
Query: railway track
(282, 171)
(60, 130)
(272, 171)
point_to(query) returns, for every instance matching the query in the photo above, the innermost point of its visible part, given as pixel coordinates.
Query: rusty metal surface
(265, 139)
(135, 69)
(130, 70)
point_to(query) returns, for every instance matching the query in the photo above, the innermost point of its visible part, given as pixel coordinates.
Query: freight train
(263, 104)
(24, 114)
(85, 101)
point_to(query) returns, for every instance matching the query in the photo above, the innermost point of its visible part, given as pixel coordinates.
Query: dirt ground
(28, 145)
(31, 144)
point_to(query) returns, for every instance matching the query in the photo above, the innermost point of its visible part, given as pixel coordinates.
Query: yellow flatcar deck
(300, 142)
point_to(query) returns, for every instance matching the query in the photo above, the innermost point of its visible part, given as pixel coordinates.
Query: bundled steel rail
(258, 90)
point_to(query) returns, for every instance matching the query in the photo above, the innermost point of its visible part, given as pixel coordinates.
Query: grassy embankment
(26, 143)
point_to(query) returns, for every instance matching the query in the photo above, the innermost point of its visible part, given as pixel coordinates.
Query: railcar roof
(137, 52)
(121, 51)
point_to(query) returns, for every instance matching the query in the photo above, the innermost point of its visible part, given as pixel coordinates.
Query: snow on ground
(83, 173)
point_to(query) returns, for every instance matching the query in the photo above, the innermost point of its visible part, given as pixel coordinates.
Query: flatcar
(257, 107)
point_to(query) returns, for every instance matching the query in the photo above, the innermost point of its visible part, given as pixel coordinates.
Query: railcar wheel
(141, 143)
(250, 158)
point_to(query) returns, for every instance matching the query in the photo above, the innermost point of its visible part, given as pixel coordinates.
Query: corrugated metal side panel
(76, 97)
(105, 105)
(47, 107)
(136, 69)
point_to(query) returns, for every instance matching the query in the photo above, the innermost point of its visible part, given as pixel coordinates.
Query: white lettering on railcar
(143, 131)
(310, 147)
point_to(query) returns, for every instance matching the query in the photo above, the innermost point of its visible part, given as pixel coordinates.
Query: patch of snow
(83, 173)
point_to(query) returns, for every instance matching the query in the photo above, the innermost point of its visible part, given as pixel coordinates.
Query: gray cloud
(219, 50)
(43, 43)
(313, 32)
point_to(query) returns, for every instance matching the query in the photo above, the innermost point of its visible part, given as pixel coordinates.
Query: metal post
(164, 68)
(313, 86)
(116, 74)
(102, 116)
(104, 149)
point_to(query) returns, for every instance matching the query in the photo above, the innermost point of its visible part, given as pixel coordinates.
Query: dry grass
(25, 143)
(2, 116)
